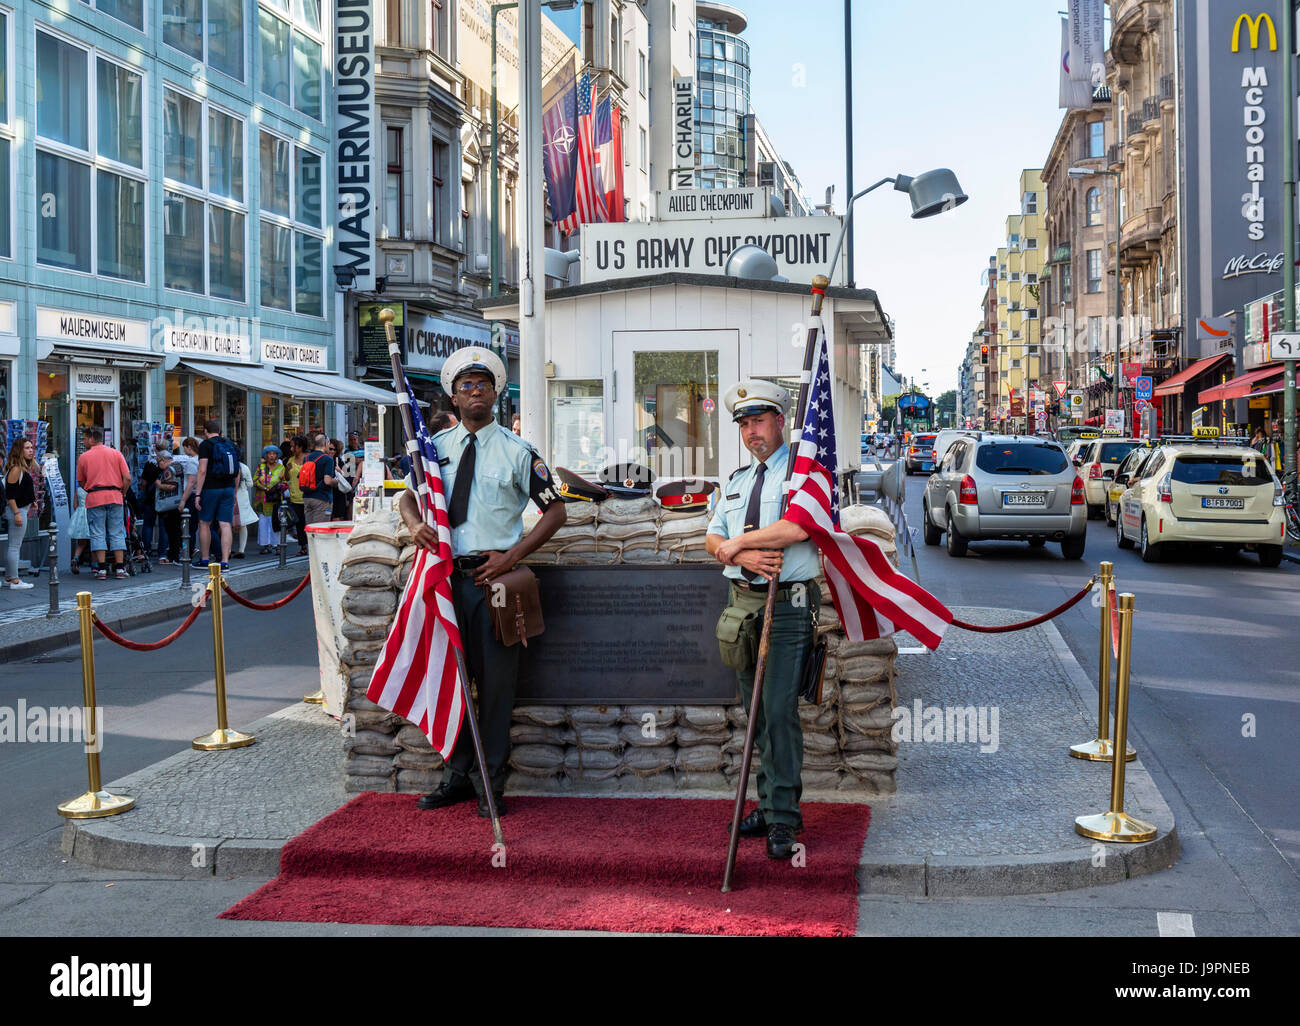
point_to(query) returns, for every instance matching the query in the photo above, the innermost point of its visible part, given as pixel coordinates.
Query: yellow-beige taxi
(1203, 491)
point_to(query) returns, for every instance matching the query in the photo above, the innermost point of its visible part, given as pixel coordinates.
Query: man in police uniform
(488, 476)
(750, 501)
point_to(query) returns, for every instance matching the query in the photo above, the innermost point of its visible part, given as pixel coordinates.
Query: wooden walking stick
(417, 469)
(819, 284)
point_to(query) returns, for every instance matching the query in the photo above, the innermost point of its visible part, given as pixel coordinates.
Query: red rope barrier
(266, 606)
(150, 646)
(1068, 603)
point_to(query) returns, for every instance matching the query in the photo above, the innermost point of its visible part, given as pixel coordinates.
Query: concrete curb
(61, 631)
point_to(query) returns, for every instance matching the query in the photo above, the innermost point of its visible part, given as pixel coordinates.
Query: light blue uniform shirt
(505, 468)
(800, 562)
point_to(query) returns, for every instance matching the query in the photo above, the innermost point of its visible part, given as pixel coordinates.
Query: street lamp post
(1087, 172)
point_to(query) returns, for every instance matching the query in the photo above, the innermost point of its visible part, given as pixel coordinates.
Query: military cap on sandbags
(746, 398)
(684, 494)
(473, 358)
(627, 480)
(573, 488)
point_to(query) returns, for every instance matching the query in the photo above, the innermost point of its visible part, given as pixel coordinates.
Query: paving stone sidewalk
(965, 821)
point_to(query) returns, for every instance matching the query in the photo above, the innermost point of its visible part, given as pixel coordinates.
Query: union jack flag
(872, 598)
(589, 192)
(416, 676)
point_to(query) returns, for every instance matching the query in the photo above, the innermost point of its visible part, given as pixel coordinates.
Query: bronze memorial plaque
(623, 635)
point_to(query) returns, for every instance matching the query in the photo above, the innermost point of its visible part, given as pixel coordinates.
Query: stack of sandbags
(702, 730)
(537, 743)
(681, 534)
(594, 751)
(649, 736)
(874, 523)
(864, 671)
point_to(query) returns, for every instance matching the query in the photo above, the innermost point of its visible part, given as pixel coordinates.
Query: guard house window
(6, 147)
(1094, 270)
(440, 210)
(292, 241)
(394, 179)
(204, 209)
(290, 68)
(1096, 138)
(129, 11)
(90, 182)
(207, 30)
(1094, 207)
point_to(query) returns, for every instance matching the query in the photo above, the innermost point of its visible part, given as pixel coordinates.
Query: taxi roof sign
(1089, 433)
(1208, 431)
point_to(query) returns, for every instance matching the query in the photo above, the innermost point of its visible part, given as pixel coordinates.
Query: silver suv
(1006, 487)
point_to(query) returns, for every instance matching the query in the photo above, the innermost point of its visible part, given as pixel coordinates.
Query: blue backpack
(225, 459)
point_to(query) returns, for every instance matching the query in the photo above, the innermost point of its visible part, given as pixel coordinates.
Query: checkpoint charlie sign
(801, 246)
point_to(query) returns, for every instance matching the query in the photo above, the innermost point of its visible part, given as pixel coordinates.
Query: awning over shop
(1176, 384)
(350, 390)
(273, 382)
(1240, 386)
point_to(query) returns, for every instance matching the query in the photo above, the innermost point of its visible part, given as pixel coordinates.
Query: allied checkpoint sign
(801, 246)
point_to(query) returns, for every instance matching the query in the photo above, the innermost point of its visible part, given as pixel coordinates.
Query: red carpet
(649, 865)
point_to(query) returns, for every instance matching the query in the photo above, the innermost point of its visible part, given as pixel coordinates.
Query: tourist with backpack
(316, 479)
(215, 491)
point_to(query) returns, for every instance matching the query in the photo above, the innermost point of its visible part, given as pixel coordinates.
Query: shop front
(1179, 395)
(93, 371)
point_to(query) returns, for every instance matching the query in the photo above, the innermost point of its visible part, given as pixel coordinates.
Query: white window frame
(206, 196)
(643, 77)
(294, 225)
(290, 17)
(203, 55)
(90, 157)
(7, 132)
(1031, 242)
(144, 15)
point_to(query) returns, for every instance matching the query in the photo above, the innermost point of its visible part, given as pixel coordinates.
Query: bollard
(53, 559)
(285, 512)
(1117, 825)
(96, 802)
(1100, 749)
(223, 737)
(185, 548)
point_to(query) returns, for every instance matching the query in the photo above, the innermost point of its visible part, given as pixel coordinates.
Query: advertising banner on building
(801, 246)
(1087, 55)
(356, 185)
(683, 176)
(1231, 220)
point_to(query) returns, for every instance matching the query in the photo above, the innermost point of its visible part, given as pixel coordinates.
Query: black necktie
(753, 512)
(459, 508)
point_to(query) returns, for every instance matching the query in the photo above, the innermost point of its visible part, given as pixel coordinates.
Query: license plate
(1213, 502)
(1024, 499)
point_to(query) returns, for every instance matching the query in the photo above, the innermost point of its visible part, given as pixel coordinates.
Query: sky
(971, 87)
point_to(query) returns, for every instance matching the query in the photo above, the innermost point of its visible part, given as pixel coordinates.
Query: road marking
(1175, 924)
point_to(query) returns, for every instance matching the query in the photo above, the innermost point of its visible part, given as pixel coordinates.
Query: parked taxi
(1097, 463)
(1203, 490)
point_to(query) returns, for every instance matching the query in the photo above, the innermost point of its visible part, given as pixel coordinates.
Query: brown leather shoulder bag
(516, 606)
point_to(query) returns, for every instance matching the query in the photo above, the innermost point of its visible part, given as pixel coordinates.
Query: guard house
(637, 366)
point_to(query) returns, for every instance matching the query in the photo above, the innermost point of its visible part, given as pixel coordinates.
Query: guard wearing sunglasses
(488, 476)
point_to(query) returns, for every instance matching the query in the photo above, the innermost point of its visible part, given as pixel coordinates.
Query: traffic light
(984, 354)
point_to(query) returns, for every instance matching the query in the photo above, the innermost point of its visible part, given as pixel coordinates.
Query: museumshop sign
(801, 246)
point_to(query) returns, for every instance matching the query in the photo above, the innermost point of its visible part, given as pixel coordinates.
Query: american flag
(416, 676)
(872, 598)
(589, 192)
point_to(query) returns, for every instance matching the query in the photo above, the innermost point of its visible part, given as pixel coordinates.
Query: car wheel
(1120, 540)
(1037, 543)
(1151, 553)
(1269, 555)
(932, 533)
(1072, 548)
(1110, 520)
(956, 543)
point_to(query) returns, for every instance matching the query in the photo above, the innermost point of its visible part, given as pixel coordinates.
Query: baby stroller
(136, 553)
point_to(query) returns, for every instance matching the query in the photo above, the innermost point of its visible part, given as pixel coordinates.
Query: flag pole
(417, 470)
(820, 283)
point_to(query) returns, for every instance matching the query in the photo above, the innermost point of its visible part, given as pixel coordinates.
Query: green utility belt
(741, 622)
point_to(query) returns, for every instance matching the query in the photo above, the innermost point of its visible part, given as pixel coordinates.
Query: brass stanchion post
(1117, 825)
(223, 737)
(96, 802)
(1100, 748)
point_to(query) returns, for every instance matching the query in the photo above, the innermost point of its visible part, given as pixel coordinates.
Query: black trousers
(495, 669)
(171, 524)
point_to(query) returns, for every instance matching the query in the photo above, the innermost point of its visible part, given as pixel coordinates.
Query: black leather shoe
(753, 825)
(446, 795)
(485, 813)
(780, 841)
